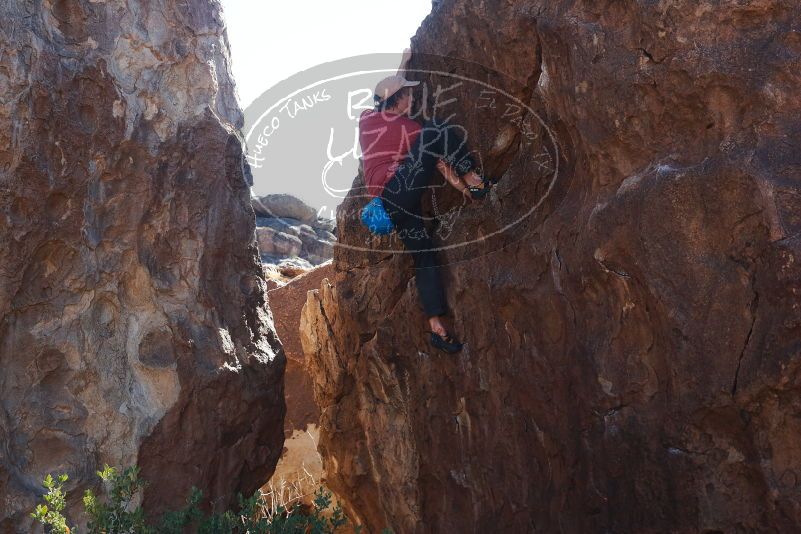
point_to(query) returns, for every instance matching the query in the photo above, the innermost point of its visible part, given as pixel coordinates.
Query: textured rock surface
(286, 303)
(283, 205)
(132, 318)
(299, 470)
(288, 228)
(632, 349)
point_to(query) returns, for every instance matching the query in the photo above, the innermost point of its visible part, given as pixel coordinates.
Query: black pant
(402, 196)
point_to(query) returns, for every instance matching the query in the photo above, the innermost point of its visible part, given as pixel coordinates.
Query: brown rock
(287, 237)
(133, 326)
(282, 206)
(286, 303)
(632, 348)
(292, 267)
(299, 470)
(278, 243)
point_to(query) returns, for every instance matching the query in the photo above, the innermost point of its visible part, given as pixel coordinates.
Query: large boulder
(275, 243)
(632, 347)
(283, 206)
(133, 325)
(285, 240)
(286, 303)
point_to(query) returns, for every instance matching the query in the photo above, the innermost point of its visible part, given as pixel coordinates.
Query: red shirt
(383, 135)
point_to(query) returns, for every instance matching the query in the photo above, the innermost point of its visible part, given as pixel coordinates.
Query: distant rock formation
(133, 327)
(285, 206)
(633, 348)
(291, 238)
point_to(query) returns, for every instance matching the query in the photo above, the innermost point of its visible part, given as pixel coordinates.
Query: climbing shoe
(479, 191)
(447, 343)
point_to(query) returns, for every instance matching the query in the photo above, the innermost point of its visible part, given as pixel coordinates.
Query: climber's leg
(452, 147)
(428, 270)
(437, 140)
(437, 325)
(428, 275)
(447, 141)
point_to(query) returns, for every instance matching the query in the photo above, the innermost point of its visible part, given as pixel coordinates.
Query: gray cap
(391, 85)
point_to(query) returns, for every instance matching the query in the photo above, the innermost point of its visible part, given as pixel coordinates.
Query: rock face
(300, 468)
(133, 326)
(632, 348)
(286, 303)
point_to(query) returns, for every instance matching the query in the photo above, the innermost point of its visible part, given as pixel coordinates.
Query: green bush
(50, 513)
(116, 515)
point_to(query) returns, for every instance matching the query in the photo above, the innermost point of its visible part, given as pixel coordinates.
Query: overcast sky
(272, 40)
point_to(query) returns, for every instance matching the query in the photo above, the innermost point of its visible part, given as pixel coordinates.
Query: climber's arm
(452, 178)
(407, 54)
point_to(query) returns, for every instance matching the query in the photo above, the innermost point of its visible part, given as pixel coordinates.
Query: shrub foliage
(117, 512)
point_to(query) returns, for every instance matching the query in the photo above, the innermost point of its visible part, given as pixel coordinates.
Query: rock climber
(399, 157)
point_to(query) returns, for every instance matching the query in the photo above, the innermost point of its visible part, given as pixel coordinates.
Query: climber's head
(401, 102)
(394, 94)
